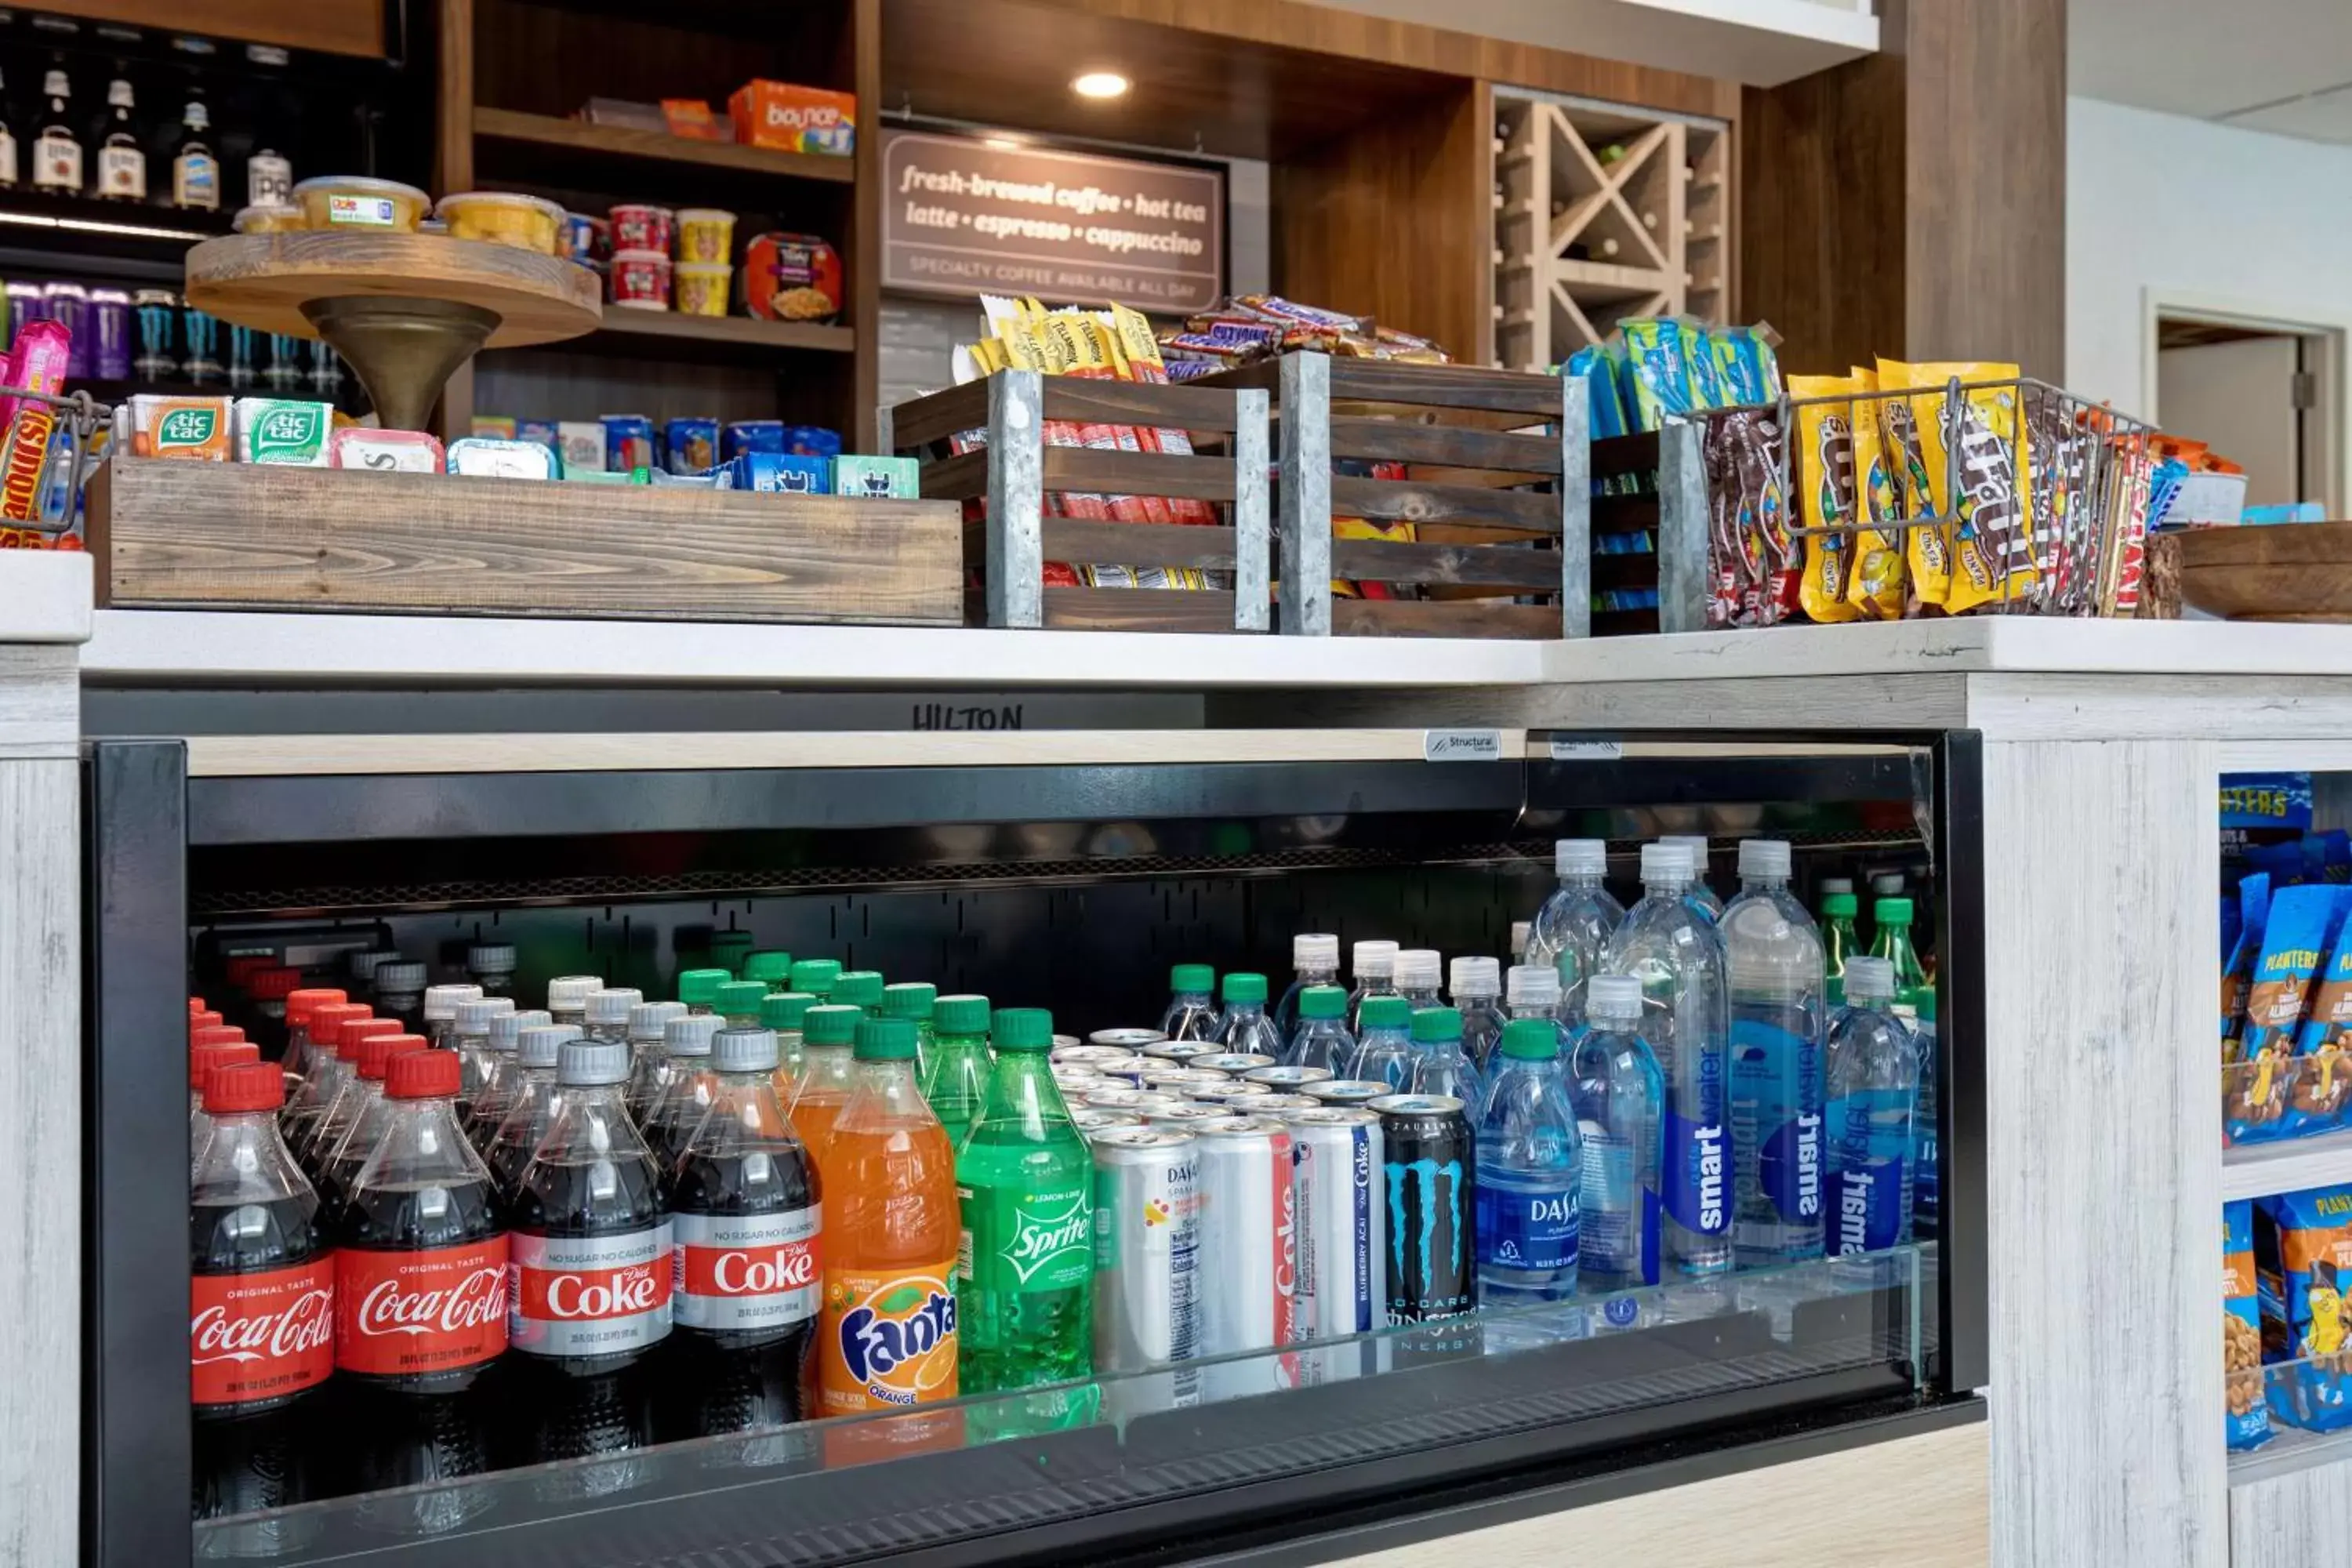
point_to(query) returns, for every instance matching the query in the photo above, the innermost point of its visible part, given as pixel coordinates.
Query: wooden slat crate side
(1401, 500)
(1635, 454)
(1138, 610)
(1423, 618)
(1498, 566)
(1443, 446)
(1446, 386)
(1139, 473)
(1623, 514)
(1085, 400)
(249, 536)
(1078, 541)
(936, 415)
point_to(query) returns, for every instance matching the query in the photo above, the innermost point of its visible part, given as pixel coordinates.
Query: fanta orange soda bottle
(887, 1338)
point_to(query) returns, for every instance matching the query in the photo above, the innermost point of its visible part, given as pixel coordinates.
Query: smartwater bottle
(1874, 1089)
(1776, 971)
(1576, 922)
(1620, 1099)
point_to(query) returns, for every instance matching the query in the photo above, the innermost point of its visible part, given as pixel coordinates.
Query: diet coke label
(744, 1271)
(266, 1335)
(590, 1294)
(400, 1314)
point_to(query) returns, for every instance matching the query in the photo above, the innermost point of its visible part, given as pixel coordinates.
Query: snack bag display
(2323, 1046)
(1927, 548)
(2241, 1329)
(1875, 586)
(2301, 928)
(2302, 1253)
(1133, 336)
(1825, 493)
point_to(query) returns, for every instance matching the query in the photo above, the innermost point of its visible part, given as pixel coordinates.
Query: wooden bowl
(2281, 572)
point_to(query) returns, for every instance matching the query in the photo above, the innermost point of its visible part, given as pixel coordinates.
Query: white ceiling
(2281, 66)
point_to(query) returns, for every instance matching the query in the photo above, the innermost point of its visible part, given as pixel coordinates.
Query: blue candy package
(1708, 389)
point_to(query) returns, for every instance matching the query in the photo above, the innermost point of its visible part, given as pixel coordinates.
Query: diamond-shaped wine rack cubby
(1602, 213)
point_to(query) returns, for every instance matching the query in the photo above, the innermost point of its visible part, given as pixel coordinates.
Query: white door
(2237, 397)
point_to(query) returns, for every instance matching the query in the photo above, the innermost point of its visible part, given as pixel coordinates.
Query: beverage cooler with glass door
(1032, 1153)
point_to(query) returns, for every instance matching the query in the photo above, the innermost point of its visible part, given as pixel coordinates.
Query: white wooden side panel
(40, 1162)
(1920, 1502)
(2294, 1521)
(2104, 1203)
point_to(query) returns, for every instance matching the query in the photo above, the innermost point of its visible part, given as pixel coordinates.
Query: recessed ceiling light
(1099, 84)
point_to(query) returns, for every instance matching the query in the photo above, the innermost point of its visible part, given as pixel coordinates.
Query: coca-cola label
(732, 1272)
(405, 1313)
(266, 1335)
(590, 1294)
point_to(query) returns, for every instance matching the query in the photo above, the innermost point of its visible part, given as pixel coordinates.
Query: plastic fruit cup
(705, 234)
(502, 217)
(638, 228)
(270, 219)
(702, 288)
(357, 202)
(641, 280)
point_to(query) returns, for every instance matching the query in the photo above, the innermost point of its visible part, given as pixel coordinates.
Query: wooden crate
(250, 536)
(1500, 515)
(1010, 542)
(1671, 508)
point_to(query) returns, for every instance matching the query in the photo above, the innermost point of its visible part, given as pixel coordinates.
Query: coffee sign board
(963, 218)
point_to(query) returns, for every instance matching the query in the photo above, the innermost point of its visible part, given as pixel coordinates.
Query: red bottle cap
(327, 1019)
(244, 1086)
(272, 984)
(421, 1075)
(195, 1006)
(205, 1020)
(375, 1050)
(242, 967)
(203, 1059)
(214, 1035)
(301, 1004)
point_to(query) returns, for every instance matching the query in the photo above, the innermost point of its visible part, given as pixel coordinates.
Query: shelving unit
(602, 142)
(737, 337)
(2258, 1170)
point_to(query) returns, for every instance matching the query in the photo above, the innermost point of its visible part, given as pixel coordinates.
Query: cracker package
(2301, 929)
(1927, 548)
(2302, 1253)
(2323, 1046)
(2249, 1424)
(1878, 580)
(1825, 493)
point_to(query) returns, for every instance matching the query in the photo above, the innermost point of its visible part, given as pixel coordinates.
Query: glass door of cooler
(1075, 889)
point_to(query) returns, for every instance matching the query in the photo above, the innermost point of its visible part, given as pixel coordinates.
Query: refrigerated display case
(1062, 871)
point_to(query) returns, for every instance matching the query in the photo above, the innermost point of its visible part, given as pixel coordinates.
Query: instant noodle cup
(359, 202)
(702, 287)
(273, 218)
(705, 234)
(641, 280)
(639, 227)
(503, 217)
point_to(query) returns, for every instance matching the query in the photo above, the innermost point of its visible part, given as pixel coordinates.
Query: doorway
(2263, 392)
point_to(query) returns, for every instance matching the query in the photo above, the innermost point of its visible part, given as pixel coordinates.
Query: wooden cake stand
(406, 310)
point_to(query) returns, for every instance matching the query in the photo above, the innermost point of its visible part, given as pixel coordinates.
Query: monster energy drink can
(1429, 1170)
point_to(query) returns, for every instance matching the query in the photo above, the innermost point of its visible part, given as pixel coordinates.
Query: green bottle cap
(1386, 1012)
(729, 944)
(912, 1000)
(885, 1040)
(1839, 906)
(700, 988)
(859, 988)
(815, 976)
(1022, 1029)
(1892, 911)
(1249, 989)
(960, 1016)
(1193, 979)
(1323, 1002)
(1531, 1039)
(740, 996)
(1432, 1025)
(786, 1009)
(771, 966)
(831, 1024)
(1926, 1004)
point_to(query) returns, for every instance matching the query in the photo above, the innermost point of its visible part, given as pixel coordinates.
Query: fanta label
(403, 1313)
(887, 1339)
(263, 1335)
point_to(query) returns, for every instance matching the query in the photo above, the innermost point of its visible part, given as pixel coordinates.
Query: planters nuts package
(2241, 1329)
(2301, 931)
(2303, 1255)
(2323, 1048)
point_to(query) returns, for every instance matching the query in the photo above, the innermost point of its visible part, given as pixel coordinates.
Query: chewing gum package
(2323, 1075)
(1826, 494)
(1875, 584)
(2243, 942)
(1927, 548)
(2302, 1265)
(2301, 930)
(2241, 1329)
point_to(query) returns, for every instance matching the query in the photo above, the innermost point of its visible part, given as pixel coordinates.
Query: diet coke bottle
(589, 1283)
(744, 1223)
(261, 1299)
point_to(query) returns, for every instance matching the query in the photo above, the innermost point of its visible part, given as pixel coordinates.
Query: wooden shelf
(655, 147)
(726, 335)
(2258, 1170)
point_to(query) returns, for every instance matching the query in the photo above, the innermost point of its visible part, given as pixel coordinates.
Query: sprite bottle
(1839, 942)
(1024, 1183)
(913, 1000)
(955, 1077)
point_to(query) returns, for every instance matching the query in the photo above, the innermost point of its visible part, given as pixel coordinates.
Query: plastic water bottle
(1531, 1173)
(1384, 1051)
(1246, 1026)
(1532, 990)
(1321, 1039)
(1775, 959)
(1477, 987)
(1193, 1009)
(1696, 844)
(1375, 973)
(1669, 944)
(1576, 922)
(1419, 973)
(1439, 1063)
(1873, 1087)
(1618, 1094)
(1314, 956)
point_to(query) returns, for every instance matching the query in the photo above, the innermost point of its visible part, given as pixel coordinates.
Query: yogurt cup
(641, 280)
(636, 227)
(502, 217)
(705, 235)
(702, 287)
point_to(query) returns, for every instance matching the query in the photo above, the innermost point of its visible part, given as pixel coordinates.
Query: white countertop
(45, 596)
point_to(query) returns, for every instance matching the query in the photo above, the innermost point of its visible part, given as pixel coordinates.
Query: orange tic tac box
(795, 118)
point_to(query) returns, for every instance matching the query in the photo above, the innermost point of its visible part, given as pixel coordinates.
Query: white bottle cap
(1887, 884)
(1696, 843)
(1764, 857)
(744, 1050)
(1519, 937)
(647, 1019)
(611, 1005)
(475, 1014)
(399, 979)
(1534, 987)
(570, 993)
(1314, 950)
(441, 1001)
(542, 1047)
(584, 1063)
(1664, 863)
(1579, 857)
(691, 1035)
(1836, 885)
(492, 958)
(1419, 969)
(1375, 958)
(506, 1029)
(363, 963)
(1476, 977)
(1617, 996)
(1869, 979)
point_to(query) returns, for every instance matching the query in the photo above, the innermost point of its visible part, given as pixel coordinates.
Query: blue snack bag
(1600, 375)
(1657, 373)
(2317, 1099)
(2238, 961)
(2302, 1253)
(2249, 1424)
(1708, 389)
(2302, 928)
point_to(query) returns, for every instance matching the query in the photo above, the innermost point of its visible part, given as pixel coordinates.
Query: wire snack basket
(52, 500)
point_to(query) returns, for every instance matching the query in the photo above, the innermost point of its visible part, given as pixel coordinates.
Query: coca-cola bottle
(744, 1220)
(311, 1026)
(261, 1300)
(531, 1108)
(267, 985)
(488, 1107)
(590, 1284)
(202, 1059)
(327, 1132)
(368, 1117)
(420, 1292)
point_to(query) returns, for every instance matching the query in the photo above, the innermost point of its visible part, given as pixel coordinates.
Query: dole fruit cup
(641, 280)
(702, 288)
(705, 234)
(639, 227)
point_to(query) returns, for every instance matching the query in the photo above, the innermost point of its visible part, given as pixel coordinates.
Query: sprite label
(1026, 1237)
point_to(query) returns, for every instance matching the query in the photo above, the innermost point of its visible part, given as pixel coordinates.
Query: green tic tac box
(282, 430)
(876, 479)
